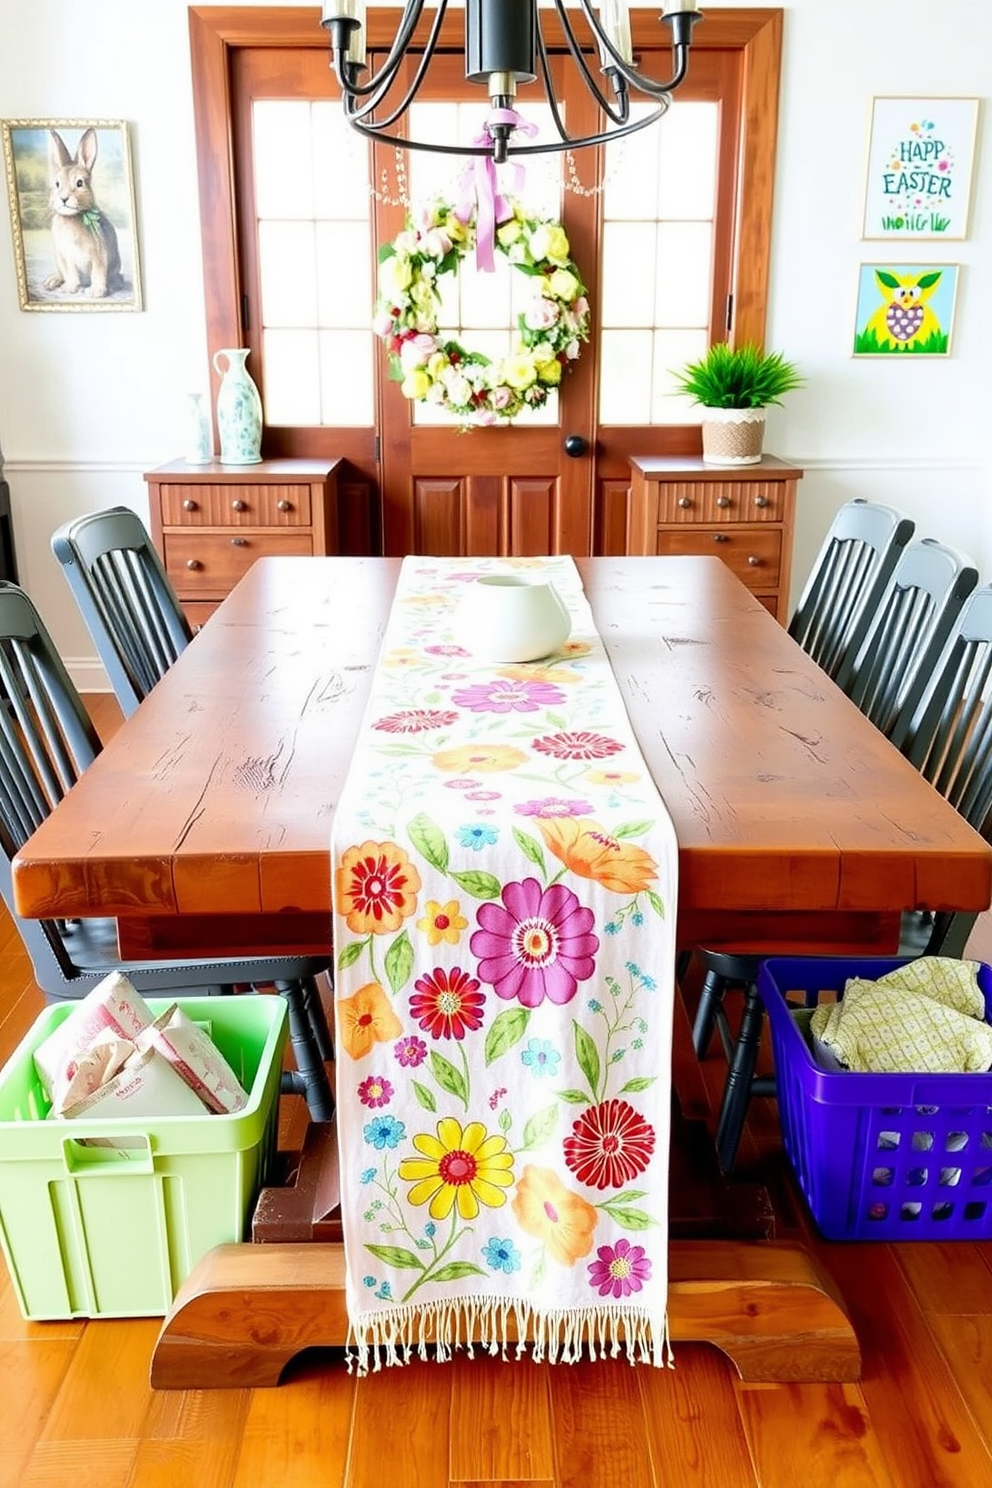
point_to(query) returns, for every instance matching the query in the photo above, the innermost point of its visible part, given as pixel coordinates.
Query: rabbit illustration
(83, 237)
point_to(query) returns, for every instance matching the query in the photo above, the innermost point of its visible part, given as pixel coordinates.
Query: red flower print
(411, 1051)
(619, 1269)
(415, 721)
(538, 943)
(610, 1144)
(447, 1003)
(580, 745)
(375, 1091)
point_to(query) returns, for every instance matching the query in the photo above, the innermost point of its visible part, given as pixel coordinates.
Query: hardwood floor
(75, 1405)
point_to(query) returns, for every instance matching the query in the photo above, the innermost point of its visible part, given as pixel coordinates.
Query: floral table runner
(504, 913)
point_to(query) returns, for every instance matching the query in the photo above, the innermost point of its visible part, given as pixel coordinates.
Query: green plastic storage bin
(112, 1231)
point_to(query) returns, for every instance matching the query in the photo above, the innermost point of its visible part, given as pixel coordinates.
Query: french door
(669, 230)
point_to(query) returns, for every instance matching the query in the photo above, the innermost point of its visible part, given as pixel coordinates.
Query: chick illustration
(904, 317)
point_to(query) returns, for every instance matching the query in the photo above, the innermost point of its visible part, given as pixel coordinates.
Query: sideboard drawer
(753, 553)
(206, 563)
(235, 506)
(720, 501)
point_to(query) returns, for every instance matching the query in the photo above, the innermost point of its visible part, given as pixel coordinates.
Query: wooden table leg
(246, 1310)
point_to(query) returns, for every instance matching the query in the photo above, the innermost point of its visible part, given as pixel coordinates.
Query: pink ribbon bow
(478, 186)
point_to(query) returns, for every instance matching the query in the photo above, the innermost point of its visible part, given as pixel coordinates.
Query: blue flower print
(502, 1255)
(540, 1057)
(476, 837)
(368, 1175)
(384, 1131)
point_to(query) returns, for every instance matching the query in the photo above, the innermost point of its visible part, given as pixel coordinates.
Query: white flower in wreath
(434, 242)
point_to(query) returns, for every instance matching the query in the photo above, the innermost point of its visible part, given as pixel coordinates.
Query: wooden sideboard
(744, 514)
(210, 522)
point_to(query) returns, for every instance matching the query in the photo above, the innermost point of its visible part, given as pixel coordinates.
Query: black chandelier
(505, 45)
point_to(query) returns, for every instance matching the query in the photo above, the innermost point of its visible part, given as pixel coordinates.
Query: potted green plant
(735, 385)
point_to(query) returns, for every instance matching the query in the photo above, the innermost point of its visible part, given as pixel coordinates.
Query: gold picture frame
(70, 186)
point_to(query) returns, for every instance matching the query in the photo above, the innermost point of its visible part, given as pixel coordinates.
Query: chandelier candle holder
(505, 44)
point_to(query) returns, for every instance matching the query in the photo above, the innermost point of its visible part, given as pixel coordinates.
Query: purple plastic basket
(878, 1157)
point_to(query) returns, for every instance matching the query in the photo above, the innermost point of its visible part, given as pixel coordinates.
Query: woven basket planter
(733, 436)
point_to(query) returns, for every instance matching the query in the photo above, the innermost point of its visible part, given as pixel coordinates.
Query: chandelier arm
(549, 91)
(633, 126)
(618, 115)
(648, 85)
(382, 80)
(682, 23)
(354, 114)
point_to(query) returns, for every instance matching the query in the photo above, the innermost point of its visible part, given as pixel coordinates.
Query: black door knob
(576, 446)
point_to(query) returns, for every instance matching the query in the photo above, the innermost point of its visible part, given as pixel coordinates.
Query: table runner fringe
(558, 1335)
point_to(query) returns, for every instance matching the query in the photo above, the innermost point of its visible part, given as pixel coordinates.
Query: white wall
(90, 401)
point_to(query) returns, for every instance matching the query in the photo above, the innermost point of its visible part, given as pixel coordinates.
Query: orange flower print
(442, 922)
(484, 759)
(612, 777)
(588, 850)
(530, 673)
(366, 1019)
(561, 1219)
(376, 888)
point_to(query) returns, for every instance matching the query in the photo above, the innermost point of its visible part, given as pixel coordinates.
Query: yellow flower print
(612, 777)
(587, 849)
(402, 656)
(442, 922)
(484, 758)
(376, 888)
(464, 1167)
(366, 1019)
(529, 673)
(563, 1220)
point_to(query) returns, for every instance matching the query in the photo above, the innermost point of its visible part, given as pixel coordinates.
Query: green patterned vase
(239, 410)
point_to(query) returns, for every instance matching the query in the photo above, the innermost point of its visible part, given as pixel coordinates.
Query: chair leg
(314, 1008)
(710, 998)
(737, 1091)
(320, 1101)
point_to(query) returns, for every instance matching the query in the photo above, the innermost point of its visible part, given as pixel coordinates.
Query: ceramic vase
(199, 436)
(239, 409)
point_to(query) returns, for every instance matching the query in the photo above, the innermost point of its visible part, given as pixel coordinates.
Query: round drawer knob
(239, 542)
(190, 505)
(720, 537)
(284, 505)
(685, 502)
(239, 505)
(723, 501)
(754, 561)
(761, 500)
(193, 563)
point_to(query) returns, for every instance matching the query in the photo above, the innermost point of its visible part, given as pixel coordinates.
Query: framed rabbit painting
(71, 195)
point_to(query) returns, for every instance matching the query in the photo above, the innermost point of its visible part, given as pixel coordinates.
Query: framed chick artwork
(905, 309)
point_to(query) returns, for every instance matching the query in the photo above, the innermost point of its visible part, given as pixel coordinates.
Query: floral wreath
(549, 331)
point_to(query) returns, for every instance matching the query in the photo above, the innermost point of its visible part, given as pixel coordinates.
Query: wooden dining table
(204, 827)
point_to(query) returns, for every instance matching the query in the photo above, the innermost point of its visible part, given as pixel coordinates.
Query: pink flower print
(415, 721)
(482, 795)
(505, 695)
(460, 784)
(375, 1091)
(619, 1269)
(553, 806)
(446, 650)
(411, 1051)
(580, 745)
(536, 944)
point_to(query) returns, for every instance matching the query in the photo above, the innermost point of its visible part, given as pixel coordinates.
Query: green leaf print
(479, 885)
(350, 954)
(574, 1097)
(424, 1096)
(455, 1270)
(540, 1128)
(429, 841)
(399, 961)
(531, 848)
(639, 1082)
(588, 1056)
(629, 1219)
(505, 1031)
(395, 1255)
(448, 1077)
(633, 829)
(656, 902)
